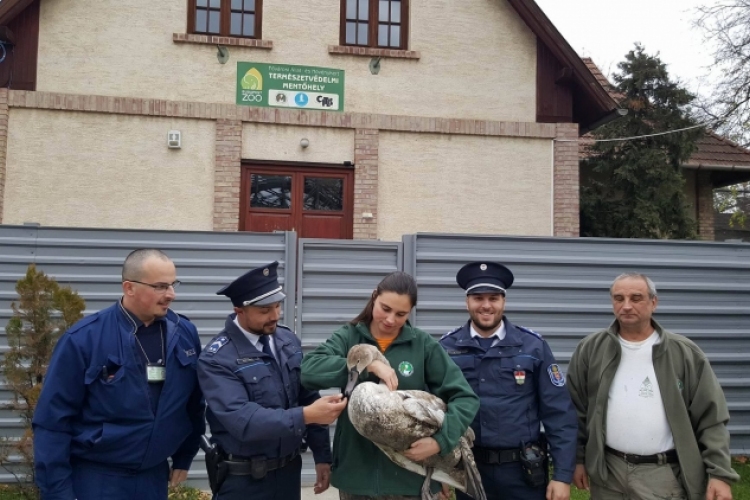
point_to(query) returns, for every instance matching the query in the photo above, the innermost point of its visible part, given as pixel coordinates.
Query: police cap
(258, 287)
(484, 277)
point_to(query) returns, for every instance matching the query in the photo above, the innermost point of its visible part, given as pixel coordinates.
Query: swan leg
(474, 486)
(426, 493)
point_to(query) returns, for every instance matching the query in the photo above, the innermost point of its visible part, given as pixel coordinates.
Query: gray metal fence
(561, 288)
(335, 280)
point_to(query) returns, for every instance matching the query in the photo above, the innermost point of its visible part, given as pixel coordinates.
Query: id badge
(156, 373)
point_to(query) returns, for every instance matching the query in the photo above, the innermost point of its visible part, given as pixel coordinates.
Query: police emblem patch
(556, 376)
(217, 344)
(405, 368)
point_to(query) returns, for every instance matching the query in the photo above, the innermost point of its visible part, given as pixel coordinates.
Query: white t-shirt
(636, 420)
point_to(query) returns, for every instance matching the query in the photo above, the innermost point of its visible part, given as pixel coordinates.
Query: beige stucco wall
(502, 185)
(95, 170)
(478, 57)
(282, 143)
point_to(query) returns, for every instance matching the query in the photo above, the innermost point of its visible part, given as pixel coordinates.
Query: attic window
(233, 18)
(375, 23)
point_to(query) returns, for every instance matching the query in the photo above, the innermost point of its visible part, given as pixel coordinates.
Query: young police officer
(258, 412)
(519, 385)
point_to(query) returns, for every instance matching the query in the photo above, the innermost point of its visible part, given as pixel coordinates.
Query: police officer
(258, 412)
(519, 385)
(121, 395)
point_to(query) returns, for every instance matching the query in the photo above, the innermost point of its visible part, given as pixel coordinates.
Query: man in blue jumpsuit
(258, 412)
(121, 395)
(519, 385)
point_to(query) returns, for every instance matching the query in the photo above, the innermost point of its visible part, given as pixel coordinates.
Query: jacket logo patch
(453, 352)
(244, 361)
(190, 352)
(217, 344)
(405, 368)
(556, 376)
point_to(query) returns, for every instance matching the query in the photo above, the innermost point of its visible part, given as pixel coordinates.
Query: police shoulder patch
(217, 344)
(451, 332)
(556, 375)
(529, 330)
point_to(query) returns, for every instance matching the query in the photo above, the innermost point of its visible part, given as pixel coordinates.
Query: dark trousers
(279, 484)
(93, 481)
(349, 496)
(505, 482)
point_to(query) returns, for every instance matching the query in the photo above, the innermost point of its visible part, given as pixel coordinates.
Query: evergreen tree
(45, 310)
(636, 190)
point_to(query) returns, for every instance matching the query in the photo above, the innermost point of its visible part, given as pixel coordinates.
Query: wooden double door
(314, 201)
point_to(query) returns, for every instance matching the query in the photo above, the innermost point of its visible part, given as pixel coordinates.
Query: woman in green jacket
(360, 470)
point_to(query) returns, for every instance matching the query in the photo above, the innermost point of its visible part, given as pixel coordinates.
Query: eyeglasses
(159, 287)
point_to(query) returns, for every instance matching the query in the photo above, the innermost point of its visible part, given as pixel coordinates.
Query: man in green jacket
(652, 416)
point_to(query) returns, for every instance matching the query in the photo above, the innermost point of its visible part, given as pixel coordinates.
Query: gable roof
(9, 9)
(592, 104)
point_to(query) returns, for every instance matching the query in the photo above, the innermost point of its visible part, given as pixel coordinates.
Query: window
(237, 18)
(375, 23)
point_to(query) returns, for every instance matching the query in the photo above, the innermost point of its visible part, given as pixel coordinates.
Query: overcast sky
(606, 30)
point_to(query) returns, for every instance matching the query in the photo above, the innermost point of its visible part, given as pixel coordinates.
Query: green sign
(288, 86)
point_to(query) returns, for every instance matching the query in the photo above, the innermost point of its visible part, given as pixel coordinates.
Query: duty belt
(496, 455)
(667, 457)
(243, 466)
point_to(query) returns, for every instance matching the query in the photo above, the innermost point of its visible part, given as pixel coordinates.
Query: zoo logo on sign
(405, 368)
(252, 80)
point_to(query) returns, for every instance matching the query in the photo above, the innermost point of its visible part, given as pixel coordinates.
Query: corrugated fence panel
(335, 280)
(561, 290)
(90, 261)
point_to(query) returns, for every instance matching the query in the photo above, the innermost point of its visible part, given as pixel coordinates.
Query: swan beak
(353, 379)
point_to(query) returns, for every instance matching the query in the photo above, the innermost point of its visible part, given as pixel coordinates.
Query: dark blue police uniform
(519, 385)
(255, 400)
(100, 430)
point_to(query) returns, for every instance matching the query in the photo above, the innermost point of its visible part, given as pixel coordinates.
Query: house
(335, 118)
(716, 162)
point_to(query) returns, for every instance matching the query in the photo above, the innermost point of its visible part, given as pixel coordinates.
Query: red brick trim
(371, 52)
(3, 145)
(366, 144)
(227, 175)
(705, 206)
(217, 111)
(566, 184)
(222, 40)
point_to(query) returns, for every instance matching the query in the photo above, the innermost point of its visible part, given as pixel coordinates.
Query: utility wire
(632, 138)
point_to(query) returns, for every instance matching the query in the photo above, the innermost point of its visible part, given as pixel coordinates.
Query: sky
(606, 30)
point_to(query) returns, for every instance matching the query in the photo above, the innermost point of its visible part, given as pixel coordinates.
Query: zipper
(135, 329)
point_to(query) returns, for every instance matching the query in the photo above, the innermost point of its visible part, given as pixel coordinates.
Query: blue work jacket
(254, 402)
(103, 416)
(519, 385)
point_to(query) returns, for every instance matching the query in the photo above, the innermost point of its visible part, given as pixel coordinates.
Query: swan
(393, 420)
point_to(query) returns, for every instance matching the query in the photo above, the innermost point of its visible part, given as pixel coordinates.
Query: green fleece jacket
(692, 397)
(359, 467)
